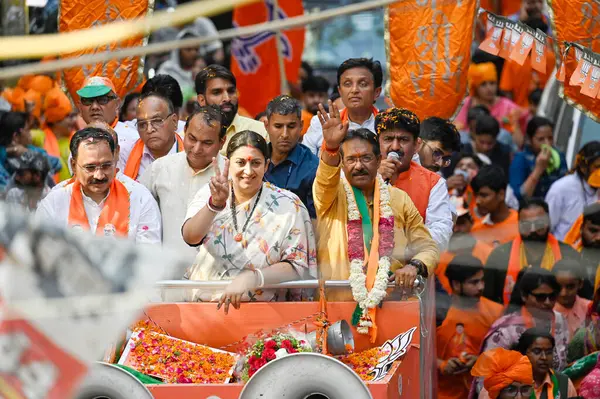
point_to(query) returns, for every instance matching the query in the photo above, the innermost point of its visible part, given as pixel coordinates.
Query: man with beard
(438, 139)
(398, 134)
(95, 200)
(314, 92)
(358, 214)
(466, 323)
(216, 85)
(533, 247)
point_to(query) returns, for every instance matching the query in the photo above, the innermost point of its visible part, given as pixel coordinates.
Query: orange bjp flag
(254, 57)
(576, 21)
(126, 74)
(428, 46)
(577, 88)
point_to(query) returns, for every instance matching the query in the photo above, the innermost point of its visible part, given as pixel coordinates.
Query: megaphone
(107, 381)
(305, 375)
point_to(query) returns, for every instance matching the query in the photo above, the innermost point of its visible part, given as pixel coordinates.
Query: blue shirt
(521, 167)
(296, 173)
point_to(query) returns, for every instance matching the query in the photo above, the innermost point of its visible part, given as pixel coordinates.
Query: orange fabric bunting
(479, 73)
(57, 106)
(25, 82)
(500, 368)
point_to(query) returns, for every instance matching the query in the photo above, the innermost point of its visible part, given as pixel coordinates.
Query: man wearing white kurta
(97, 201)
(174, 179)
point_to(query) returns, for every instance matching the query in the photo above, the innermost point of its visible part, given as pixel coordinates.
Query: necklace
(239, 234)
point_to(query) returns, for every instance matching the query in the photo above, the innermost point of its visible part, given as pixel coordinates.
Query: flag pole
(284, 89)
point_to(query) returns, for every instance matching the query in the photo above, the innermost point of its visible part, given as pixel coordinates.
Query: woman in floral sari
(248, 231)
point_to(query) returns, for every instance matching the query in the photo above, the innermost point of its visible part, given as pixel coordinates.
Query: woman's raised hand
(334, 130)
(219, 184)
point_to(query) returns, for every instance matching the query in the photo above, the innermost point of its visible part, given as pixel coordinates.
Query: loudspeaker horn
(305, 376)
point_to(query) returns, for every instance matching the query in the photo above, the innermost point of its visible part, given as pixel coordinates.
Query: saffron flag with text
(254, 59)
(127, 73)
(428, 46)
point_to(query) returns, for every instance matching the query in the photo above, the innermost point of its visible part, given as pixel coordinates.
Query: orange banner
(582, 71)
(576, 21)
(428, 47)
(254, 59)
(80, 14)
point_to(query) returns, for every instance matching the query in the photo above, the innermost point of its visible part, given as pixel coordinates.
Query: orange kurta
(522, 80)
(476, 323)
(480, 251)
(418, 182)
(306, 117)
(499, 233)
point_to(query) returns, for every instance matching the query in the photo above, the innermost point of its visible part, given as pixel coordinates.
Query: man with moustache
(534, 247)
(292, 166)
(157, 126)
(216, 85)
(95, 200)
(359, 81)
(398, 132)
(174, 179)
(98, 101)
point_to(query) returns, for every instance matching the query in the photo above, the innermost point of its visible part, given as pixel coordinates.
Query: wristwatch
(420, 266)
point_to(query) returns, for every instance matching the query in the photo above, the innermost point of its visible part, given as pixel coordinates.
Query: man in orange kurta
(468, 320)
(398, 132)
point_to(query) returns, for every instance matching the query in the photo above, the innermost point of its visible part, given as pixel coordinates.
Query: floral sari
(280, 230)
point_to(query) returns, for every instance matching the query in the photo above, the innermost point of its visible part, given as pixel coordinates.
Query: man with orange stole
(366, 228)
(95, 200)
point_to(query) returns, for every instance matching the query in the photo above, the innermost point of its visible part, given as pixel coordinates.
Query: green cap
(96, 86)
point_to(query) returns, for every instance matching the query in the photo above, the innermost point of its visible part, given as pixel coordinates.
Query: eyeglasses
(533, 225)
(102, 100)
(438, 155)
(104, 168)
(351, 161)
(512, 391)
(156, 123)
(541, 298)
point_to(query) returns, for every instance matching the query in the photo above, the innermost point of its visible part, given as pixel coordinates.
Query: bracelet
(261, 278)
(330, 151)
(212, 208)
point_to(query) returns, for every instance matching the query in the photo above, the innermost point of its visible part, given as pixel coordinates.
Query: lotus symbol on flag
(243, 47)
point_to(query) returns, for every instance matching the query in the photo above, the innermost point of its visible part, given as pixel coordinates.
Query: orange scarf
(518, 260)
(573, 237)
(115, 214)
(132, 168)
(344, 114)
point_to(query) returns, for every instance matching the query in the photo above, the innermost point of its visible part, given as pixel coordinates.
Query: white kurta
(173, 183)
(147, 157)
(144, 223)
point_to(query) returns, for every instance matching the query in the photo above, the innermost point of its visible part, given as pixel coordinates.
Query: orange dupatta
(344, 114)
(132, 168)
(573, 237)
(518, 260)
(115, 214)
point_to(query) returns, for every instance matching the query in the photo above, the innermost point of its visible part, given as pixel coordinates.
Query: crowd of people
(328, 185)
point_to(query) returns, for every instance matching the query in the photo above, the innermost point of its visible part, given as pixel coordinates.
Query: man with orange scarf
(95, 200)
(157, 127)
(506, 374)
(59, 125)
(359, 81)
(366, 228)
(584, 236)
(534, 247)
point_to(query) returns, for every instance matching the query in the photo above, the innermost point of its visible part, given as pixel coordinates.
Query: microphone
(393, 155)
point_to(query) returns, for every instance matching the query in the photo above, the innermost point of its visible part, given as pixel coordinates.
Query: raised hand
(219, 184)
(334, 130)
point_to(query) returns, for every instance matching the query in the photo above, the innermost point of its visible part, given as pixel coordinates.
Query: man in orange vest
(398, 132)
(533, 247)
(157, 126)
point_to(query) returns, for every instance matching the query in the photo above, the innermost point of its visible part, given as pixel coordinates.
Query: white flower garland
(358, 280)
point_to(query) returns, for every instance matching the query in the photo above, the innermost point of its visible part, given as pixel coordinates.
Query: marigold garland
(363, 363)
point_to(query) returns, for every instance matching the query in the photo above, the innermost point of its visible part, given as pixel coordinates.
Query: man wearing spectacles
(439, 138)
(533, 247)
(98, 201)
(98, 101)
(398, 132)
(157, 127)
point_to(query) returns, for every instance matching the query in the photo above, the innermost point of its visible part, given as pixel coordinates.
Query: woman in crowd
(531, 305)
(538, 345)
(587, 339)
(506, 374)
(483, 90)
(248, 231)
(129, 107)
(534, 169)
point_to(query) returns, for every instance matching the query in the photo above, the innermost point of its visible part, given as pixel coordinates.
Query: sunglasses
(541, 298)
(533, 225)
(102, 100)
(512, 391)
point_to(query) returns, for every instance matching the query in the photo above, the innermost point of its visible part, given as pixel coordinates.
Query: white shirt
(144, 222)
(313, 138)
(174, 184)
(127, 133)
(147, 157)
(566, 199)
(439, 218)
